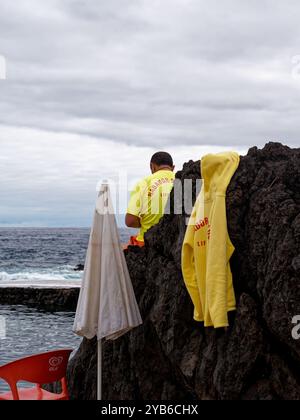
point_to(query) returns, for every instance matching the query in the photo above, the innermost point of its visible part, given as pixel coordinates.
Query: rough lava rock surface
(45, 299)
(173, 357)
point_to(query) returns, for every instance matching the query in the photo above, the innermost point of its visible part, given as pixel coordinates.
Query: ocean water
(43, 256)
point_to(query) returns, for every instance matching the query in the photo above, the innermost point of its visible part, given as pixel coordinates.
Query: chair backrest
(40, 369)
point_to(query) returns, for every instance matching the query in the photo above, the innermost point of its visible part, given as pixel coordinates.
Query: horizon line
(53, 227)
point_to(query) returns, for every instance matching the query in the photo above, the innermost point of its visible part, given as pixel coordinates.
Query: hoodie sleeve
(217, 263)
(188, 269)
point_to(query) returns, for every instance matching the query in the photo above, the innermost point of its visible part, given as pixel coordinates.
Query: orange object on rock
(134, 242)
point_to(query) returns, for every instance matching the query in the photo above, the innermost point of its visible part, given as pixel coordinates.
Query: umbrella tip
(103, 187)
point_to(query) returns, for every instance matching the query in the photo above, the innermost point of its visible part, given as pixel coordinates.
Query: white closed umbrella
(107, 306)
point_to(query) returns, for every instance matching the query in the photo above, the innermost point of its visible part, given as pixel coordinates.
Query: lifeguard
(149, 197)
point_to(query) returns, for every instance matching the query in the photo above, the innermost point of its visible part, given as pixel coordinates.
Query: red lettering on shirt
(201, 224)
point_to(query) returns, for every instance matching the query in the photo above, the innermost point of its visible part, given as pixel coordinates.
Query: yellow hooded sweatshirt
(207, 248)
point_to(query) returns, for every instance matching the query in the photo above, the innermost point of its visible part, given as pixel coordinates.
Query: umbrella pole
(99, 377)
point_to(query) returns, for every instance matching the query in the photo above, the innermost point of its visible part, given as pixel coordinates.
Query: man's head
(161, 160)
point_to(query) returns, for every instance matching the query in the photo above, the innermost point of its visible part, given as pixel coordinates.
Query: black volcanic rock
(79, 267)
(47, 299)
(173, 357)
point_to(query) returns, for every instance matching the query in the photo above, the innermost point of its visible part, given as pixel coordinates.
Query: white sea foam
(63, 275)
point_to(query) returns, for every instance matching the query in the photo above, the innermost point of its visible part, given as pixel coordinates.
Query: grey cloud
(159, 70)
(143, 74)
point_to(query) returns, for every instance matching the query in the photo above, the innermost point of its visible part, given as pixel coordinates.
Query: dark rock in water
(47, 299)
(173, 357)
(79, 267)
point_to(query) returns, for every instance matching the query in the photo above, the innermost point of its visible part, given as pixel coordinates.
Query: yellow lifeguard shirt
(207, 247)
(149, 198)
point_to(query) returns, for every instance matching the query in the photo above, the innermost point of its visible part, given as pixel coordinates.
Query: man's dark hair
(162, 158)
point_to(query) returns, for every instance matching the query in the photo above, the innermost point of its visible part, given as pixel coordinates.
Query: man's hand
(132, 221)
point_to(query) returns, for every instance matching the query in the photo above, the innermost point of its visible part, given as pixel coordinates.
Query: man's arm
(132, 221)
(134, 210)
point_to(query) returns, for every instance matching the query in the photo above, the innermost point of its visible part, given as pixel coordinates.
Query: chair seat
(33, 394)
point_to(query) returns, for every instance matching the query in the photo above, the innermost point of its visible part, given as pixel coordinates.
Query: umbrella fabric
(107, 306)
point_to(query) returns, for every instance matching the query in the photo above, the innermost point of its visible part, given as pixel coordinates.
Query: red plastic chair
(39, 369)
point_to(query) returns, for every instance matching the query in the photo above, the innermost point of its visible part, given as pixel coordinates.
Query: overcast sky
(94, 87)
